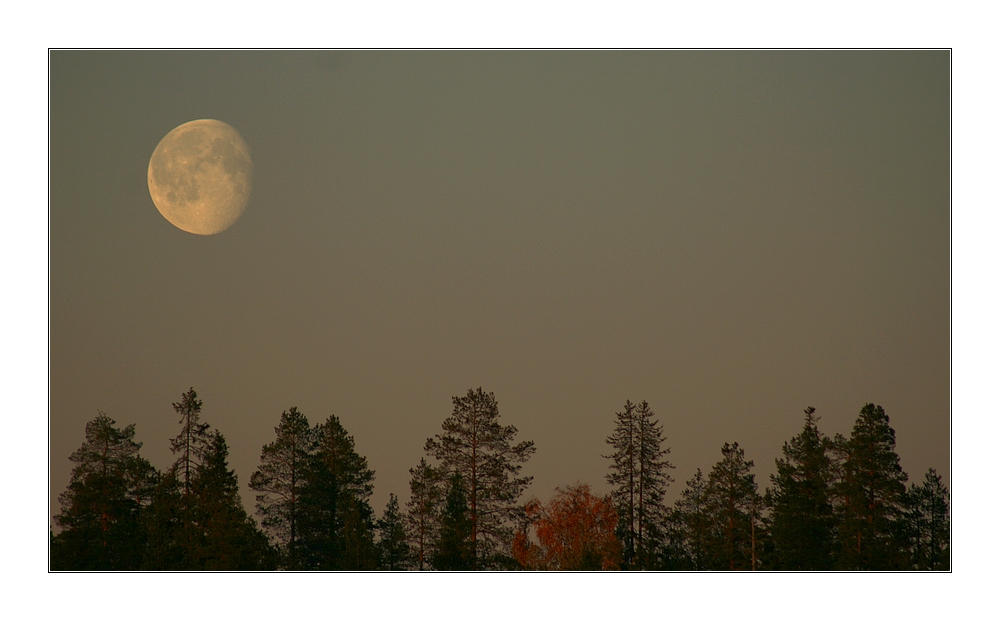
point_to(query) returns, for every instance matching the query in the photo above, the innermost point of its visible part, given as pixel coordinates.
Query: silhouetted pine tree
(337, 526)
(672, 555)
(930, 524)
(640, 474)
(802, 523)
(196, 520)
(189, 446)
(454, 550)
(164, 522)
(141, 479)
(191, 443)
(102, 507)
(872, 530)
(228, 539)
(692, 527)
(279, 481)
(423, 512)
(732, 501)
(476, 446)
(393, 551)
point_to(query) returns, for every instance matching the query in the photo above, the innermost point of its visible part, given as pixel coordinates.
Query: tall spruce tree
(423, 511)
(930, 524)
(837, 452)
(337, 522)
(102, 507)
(476, 446)
(163, 523)
(871, 533)
(640, 474)
(228, 539)
(733, 501)
(190, 444)
(393, 551)
(196, 520)
(802, 520)
(692, 526)
(455, 550)
(279, 481)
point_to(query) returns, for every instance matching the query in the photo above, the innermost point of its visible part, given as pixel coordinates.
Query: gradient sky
(731, 236)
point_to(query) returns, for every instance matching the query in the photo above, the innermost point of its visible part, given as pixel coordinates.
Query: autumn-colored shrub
(575, 531)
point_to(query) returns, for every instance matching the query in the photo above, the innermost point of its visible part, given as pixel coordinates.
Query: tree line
(834, 503)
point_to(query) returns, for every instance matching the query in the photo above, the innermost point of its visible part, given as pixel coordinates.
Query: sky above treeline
(730, 236)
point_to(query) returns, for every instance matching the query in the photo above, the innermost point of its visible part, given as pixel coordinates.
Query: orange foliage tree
(575, 531)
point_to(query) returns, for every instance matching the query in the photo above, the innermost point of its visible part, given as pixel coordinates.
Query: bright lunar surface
(199, 176)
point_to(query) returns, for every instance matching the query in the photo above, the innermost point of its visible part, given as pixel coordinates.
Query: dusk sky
(730, 236)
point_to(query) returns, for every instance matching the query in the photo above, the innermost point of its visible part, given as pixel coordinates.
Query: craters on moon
(200, 176)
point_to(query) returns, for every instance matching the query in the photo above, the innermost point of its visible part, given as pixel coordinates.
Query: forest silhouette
(839, 503)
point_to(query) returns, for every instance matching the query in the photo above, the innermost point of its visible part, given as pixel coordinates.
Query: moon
(200, 175)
